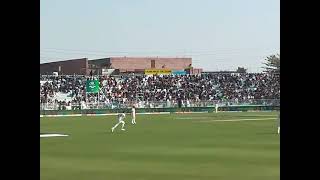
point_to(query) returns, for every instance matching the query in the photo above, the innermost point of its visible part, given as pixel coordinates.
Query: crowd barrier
(88, 112)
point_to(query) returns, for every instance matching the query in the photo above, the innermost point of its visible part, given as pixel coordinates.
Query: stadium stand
(232, 87)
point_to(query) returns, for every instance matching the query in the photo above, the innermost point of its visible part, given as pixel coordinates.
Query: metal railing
(158, 104)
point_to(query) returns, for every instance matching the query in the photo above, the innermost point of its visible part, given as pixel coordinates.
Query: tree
(272, 64)
(241, 70)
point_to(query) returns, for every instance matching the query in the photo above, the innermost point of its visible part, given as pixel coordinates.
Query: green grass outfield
(162, 147)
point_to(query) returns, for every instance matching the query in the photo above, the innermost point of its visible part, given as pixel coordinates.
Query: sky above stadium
(217, 34)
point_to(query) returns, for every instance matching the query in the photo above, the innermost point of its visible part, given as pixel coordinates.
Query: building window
(153, 64)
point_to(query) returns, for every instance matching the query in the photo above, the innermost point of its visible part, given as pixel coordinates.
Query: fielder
(121, 117)
(133, 113)
(279, 124)
(216, 107)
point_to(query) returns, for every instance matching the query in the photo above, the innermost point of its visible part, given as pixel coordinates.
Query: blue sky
(217, 34)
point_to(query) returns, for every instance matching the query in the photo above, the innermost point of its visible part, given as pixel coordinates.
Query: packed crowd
(205, 87)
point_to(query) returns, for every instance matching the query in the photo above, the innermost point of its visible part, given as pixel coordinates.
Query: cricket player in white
(133, 113)
(279, 124)
(216, 107)
(121, 117)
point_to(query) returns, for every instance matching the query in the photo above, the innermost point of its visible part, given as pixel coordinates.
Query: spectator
(165, 88)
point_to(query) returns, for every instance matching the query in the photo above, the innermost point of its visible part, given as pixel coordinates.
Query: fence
(158, 104)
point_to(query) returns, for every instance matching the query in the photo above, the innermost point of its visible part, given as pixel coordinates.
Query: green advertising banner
(92, 86)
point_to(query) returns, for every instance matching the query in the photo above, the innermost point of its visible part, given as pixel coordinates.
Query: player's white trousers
(133, 121)
(120, 122)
